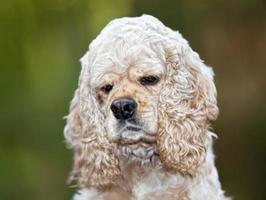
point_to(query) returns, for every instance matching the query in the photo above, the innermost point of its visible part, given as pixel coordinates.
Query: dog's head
(140, 83)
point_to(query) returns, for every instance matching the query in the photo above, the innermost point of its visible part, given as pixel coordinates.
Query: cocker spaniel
(140, 118)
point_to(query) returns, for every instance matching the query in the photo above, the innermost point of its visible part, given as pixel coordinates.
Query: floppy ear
(187, 104)
(95, 164)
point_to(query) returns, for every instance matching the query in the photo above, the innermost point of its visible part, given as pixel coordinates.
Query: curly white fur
(171, 158)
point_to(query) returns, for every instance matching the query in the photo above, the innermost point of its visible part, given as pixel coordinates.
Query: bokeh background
(41, 43)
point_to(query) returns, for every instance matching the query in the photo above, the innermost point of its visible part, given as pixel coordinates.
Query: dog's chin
(136, 146)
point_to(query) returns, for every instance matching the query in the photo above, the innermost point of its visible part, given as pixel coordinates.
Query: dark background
(41, 43)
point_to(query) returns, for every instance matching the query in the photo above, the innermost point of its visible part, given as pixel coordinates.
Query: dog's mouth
(136, 144)
(133, 133)
(133, 128)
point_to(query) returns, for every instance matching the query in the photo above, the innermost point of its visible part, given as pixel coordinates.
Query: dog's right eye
(107, 88)
(149, 80)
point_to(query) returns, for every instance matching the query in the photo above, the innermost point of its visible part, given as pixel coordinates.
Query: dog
(139, 122)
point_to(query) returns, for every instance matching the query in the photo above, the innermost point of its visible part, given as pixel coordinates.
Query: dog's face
(128, 97)
(140, 84)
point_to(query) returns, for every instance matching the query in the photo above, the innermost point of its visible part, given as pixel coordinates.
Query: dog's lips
(132, 134)
(133, 128)
(129, 140)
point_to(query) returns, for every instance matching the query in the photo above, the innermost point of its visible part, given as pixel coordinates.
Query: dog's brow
(108, 77)
(146, 69)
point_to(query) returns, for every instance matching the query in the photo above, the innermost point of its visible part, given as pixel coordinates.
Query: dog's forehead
(135, 68)
(120, 60)
(124, 43)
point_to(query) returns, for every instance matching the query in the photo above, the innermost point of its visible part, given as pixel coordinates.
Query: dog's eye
(149, 80)
(107, 88)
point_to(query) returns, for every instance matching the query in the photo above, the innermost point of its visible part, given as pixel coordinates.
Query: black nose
(123, 108)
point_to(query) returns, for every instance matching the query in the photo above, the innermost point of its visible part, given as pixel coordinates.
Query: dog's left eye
(107, 88)
(149, 80)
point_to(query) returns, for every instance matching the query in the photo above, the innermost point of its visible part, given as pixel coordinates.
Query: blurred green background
(41, 43)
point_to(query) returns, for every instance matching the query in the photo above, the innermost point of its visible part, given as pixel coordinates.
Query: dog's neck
(143, 172)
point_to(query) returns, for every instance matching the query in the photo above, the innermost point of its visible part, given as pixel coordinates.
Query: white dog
(139, 120)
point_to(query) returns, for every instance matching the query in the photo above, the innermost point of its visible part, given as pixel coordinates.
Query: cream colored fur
(171, 158)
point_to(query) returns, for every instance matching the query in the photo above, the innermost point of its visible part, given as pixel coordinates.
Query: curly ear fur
(187, 103)
(94, 162)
